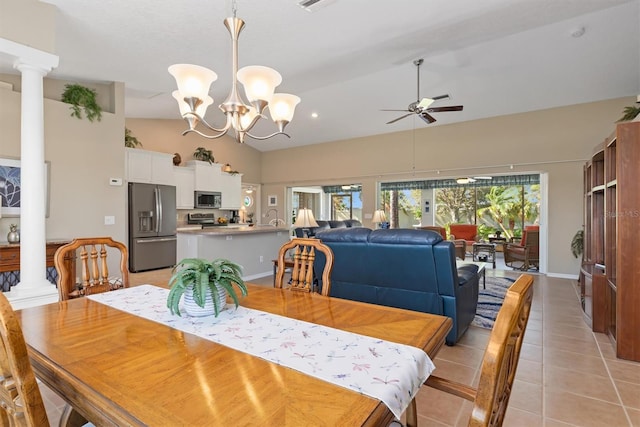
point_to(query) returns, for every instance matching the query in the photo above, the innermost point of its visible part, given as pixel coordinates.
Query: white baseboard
(257, 276)
(563, 276)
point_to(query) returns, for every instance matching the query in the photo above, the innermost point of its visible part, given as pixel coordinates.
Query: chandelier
(259, 85)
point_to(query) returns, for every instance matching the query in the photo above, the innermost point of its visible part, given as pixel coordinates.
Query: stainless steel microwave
(207, 200)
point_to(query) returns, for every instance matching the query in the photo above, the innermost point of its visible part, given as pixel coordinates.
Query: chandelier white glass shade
(305, 219)
(259, 85)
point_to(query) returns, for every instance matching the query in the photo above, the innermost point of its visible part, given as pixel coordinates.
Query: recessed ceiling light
(314, 115)
(578, 32)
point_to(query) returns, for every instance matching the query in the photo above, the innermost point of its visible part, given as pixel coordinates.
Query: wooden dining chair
(302, 275)
(95, 278)
(21, 403)
(500, 359)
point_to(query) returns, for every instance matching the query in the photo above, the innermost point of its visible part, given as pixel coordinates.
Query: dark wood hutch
(610, 272)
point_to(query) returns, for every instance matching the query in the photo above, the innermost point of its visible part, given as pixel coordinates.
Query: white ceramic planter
(194, 310)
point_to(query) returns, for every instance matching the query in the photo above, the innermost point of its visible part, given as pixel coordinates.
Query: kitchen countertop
(231, 229)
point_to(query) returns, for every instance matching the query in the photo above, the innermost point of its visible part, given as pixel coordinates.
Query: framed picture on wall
(273, 200)
(11, 187)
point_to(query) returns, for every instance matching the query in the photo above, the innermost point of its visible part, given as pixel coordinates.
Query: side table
(288, 263)
(486, 249)
(499, 241)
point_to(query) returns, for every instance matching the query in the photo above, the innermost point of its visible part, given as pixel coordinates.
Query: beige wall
(15, 14)
(555, 141)
(83, 156)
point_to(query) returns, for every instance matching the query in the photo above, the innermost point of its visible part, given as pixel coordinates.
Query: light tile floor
(567, 375)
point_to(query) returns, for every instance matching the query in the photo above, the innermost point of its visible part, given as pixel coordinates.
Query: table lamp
(379, 217)
(305, 219)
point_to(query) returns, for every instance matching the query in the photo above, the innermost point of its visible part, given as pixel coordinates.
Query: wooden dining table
(119, 369)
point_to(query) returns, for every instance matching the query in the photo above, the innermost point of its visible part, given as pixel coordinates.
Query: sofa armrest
(467, 273)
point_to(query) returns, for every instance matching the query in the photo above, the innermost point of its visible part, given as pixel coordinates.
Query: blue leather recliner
(404, 268)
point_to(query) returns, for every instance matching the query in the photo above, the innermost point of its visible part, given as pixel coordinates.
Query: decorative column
(32, 180)
(33, 289)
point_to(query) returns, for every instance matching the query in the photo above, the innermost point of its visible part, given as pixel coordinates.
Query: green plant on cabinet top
(630, 113)
(203, 155)
(130, 140)
(82, 98)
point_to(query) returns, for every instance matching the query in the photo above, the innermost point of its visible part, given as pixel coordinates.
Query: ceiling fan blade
(441, 109)
(399, 118)
(424, 103)
(406, 111)
(427, 117)
(436, 98)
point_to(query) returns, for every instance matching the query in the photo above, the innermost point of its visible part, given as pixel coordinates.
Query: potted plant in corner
(205, 285)
(577, 243)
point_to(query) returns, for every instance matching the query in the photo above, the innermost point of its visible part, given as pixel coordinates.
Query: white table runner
(390, 372)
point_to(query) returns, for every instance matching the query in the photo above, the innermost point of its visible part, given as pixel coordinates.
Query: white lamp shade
(379, 216)
(305, 219)
(259, 82)
(282, 106)
(192, 80)
(184, 107)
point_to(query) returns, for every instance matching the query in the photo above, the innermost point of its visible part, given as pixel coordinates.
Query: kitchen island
(251, 247)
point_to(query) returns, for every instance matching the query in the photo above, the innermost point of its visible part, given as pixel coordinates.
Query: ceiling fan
(422, 107)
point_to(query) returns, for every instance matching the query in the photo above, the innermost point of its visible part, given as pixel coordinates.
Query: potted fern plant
(205, 285)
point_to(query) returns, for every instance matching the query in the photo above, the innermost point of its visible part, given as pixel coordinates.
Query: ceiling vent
(313, 5)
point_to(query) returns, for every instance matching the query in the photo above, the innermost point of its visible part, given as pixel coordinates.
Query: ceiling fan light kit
(259, 85)
(470, 180)
(422, 107)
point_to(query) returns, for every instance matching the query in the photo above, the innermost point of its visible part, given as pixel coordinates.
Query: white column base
(32, 297)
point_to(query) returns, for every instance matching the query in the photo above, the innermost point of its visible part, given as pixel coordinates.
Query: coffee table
(488, 249)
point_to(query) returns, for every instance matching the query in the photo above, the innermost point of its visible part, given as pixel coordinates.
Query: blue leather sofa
(325, 225)
(410, 269)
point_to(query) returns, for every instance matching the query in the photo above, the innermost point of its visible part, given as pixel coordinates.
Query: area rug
(490, 301)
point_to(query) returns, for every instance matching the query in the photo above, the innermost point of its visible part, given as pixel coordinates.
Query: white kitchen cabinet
(185, 186)
(207, 176)
(231, 190)
(150, 167)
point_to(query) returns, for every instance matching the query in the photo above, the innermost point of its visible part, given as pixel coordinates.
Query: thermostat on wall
(115, 181)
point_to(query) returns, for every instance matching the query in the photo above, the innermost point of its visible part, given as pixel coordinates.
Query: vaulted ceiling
(348, 59)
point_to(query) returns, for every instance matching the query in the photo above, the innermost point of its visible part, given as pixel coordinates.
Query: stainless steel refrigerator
(152, 226)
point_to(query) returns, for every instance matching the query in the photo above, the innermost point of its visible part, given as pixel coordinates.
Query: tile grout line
(604, 361)
(615, 386)
(544, 350)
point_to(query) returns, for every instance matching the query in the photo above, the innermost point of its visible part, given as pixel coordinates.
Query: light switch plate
(115, 181)
(109, 220)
